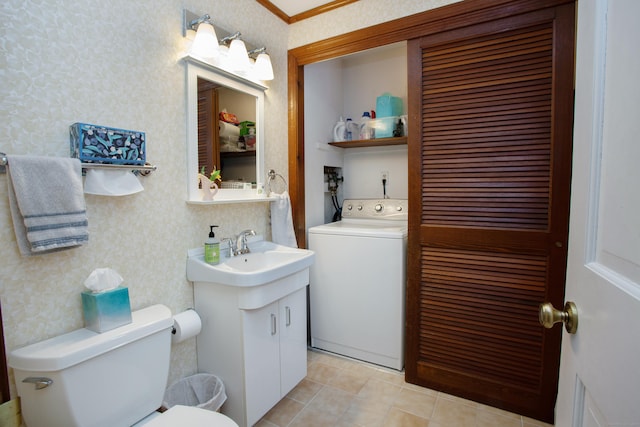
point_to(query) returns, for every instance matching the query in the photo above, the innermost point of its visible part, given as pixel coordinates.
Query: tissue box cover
(101, 144)
(387, 106)
(106, 310)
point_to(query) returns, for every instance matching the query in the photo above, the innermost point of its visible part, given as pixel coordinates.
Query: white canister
(339, 130)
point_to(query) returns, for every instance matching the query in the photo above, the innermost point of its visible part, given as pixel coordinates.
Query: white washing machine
(357, 283)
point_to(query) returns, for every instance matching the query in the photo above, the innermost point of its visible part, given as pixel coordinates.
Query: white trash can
(204, 391)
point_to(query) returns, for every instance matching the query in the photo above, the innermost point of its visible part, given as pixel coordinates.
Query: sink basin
(266, 263)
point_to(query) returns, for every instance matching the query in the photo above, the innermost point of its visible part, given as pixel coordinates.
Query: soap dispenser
(212, 248)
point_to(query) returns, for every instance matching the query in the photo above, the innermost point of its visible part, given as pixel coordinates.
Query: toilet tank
(109, 379)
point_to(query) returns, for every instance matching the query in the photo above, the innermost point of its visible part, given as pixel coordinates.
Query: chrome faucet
(241, 242)
(229, 246)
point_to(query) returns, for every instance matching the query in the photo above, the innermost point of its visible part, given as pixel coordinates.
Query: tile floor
(340, 392)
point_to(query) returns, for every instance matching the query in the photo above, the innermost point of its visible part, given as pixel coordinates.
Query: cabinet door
(293, 340)
(261, 360)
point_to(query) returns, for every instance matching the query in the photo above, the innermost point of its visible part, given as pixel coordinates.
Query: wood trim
(457, 15)
(296, 148)
(304, 15)
(319, 10)
(433, 21)
(275, 10)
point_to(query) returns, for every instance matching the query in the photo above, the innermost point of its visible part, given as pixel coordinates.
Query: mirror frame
(197, 68)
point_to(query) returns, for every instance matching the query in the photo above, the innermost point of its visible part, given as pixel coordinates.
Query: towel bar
(144, 170)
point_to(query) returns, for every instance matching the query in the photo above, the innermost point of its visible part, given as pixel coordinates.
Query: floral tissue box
(100, 144)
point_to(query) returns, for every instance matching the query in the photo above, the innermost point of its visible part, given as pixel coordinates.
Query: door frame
(430, 22)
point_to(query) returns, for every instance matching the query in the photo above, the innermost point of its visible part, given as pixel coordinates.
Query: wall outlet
(384, 175)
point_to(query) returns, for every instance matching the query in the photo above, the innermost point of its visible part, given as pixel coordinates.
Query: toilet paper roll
(185, 325)
(228, 130)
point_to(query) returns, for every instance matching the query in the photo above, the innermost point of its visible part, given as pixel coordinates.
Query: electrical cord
(337, 216)
(333, 188)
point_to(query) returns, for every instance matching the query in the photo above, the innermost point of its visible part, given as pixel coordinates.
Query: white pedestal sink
(262, 276)
(254, 324)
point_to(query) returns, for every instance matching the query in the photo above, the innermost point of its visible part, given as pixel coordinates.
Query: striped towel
(47, 203)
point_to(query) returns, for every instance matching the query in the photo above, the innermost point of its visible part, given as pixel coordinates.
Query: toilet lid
(189, 416)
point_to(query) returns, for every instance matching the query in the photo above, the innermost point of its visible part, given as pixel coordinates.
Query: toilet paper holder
(186, 324)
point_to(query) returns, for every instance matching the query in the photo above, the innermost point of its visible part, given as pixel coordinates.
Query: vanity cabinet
(275, 339)
(258, 350)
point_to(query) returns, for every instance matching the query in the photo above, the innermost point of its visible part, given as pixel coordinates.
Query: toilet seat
(189, 416)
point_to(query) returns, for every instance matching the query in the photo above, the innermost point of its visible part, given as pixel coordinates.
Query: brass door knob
(549, 316)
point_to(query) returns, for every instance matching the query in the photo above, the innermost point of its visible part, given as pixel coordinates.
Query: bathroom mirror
(244, 166)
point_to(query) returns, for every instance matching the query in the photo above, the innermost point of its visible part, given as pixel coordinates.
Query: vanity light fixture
(237, 52)
(228, 53)
(262, 69)
(205, 43)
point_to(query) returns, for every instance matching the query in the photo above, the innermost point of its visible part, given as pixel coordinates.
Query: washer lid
(363, 228)
(189, 416)
(66, 350)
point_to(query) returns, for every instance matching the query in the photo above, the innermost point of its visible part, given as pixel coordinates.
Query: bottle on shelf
(398, 129)
(366, 130)
(339, 130)
(348, 135)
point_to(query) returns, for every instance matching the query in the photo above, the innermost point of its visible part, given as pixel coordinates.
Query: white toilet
(113, 379)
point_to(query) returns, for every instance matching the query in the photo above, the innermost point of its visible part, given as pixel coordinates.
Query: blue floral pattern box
(100, 144)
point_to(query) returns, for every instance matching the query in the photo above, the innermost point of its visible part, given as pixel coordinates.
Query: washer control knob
(379, 207)
(359, 207)
(399, 208)
(349, 207)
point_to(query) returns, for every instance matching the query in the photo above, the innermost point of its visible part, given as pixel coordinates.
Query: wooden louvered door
(208, 131)
(490, 161)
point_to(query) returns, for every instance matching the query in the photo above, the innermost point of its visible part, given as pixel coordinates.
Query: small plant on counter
(216, 175)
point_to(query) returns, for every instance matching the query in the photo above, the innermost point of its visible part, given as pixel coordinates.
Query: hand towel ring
(272, 175)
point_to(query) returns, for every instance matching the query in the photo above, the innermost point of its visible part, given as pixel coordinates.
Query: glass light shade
(262, 68)
(205, 43)
(238, 55)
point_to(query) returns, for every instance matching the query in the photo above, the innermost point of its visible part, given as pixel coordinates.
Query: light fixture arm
(193, 25)
(257, 51)
(228, 39)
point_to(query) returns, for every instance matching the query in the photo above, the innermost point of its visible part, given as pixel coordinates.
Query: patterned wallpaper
(115, 63)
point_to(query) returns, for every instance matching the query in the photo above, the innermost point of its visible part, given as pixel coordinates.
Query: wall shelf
(245, 153)
(378, 142)
(231, 195)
